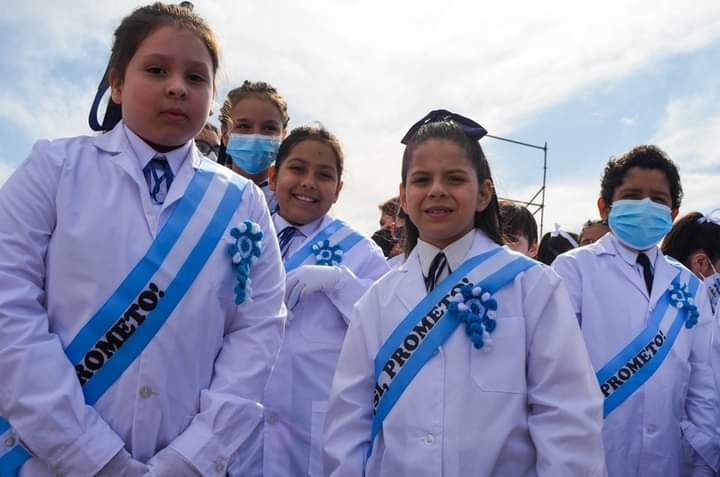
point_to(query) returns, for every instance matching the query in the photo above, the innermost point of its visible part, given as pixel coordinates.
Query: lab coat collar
(411, 287)
(664, 272)
(116, 144)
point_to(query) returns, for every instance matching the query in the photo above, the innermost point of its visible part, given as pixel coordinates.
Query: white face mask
(712, 283)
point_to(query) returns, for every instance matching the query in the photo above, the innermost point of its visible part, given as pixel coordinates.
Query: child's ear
(337, 190)
(674, 213)
(533, 250)
(115, 86)
(603, 209)
(485, 194)
(272, 178)
(403, 202)
(699, 264)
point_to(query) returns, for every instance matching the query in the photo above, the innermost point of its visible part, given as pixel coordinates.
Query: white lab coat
(297, 391)
(528, 407)
(76, 217)
(648, 434)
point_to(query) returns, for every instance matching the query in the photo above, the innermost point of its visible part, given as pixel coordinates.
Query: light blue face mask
(253, 153)
(639, 224)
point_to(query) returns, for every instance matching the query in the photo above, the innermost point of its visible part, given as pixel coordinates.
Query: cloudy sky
(591, 82)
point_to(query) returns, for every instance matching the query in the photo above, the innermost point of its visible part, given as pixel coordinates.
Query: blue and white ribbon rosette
(244, 249)
(681, 298)
(326, 254)
(477, 309)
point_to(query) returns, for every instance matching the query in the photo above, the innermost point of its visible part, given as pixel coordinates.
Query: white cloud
(628, 122)
(368, 70)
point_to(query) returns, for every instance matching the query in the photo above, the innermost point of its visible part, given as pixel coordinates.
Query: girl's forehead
(439, 154)
(175, 43)
(311, 150)
(254, 106)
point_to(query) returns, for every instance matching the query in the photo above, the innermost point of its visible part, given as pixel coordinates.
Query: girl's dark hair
(550, 247)
(259, 89)
(489, 219)
(310, 133)
(137, 26)
(687, 236)
(517, 220)
(645, 157)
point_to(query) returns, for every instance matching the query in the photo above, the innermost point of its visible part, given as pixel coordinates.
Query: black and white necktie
(284, 238)
(159, 177)
(644, 261)
(437, 266)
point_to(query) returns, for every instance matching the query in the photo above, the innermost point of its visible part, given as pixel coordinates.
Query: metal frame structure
(539, 206)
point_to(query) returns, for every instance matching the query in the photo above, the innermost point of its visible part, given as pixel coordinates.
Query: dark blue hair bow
(113, 113)
(471, 128)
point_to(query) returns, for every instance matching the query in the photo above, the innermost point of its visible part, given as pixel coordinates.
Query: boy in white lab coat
(646, 323)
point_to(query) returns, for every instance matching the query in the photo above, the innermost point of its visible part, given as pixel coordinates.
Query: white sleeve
(348, 421)
(566, 267)
(230, 410)
(565, 404)
(40, 394)
(352, 286)
(701, 421)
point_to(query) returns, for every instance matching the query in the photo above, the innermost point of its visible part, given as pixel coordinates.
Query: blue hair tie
(472, 129)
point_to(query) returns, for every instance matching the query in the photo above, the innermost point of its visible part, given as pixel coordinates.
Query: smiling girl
(329, 266)
(509, 393)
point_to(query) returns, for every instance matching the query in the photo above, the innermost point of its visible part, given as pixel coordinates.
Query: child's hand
(310, 278)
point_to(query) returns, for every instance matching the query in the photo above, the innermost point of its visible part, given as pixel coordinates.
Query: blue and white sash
(637, 362)
(336, 237)
(416, 339)
(126, 323)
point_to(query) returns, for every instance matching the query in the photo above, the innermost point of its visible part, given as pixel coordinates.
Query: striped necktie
(436, 268)
(285, 237)
(159, 177)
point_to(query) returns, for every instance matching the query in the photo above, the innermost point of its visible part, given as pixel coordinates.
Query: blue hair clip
(472, 129)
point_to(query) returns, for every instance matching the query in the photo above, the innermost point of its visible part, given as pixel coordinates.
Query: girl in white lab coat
(253, 121)
(647, 324)
(329, 266)
(131, 342)
(509, 393)
(694, 241)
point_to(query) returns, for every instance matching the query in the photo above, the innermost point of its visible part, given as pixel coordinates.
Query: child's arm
(566, 267)
(701, 422)
(565, 404)
(230, 414)
(39, 392)
(348, 420)
(342, 286)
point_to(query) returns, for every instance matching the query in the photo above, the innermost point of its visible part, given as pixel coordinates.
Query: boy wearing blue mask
(254, 121)
(646, 322)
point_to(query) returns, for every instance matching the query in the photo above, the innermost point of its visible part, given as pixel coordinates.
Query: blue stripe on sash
(438, 334)
(424, 306)
(11, 461)
(138, 278)
(131, 349)
(301, 255)
(630, 351)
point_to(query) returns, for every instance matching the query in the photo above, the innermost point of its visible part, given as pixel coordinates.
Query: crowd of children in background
(178, 300)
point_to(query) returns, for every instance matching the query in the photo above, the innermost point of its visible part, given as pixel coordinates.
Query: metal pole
(542, 213)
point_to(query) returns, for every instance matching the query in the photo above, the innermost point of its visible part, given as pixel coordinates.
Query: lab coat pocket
(319, 321)
(317, 422)
(501, 366)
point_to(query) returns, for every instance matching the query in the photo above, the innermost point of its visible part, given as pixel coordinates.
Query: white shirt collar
(306, 230)
(630, 255)
(145, 153)
(455, 253)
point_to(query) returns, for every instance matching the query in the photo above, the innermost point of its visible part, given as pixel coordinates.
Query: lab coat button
(219, 468)
(429, 440)
(271, 419)
(146, 392)
(9, 441)
(651, 429)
